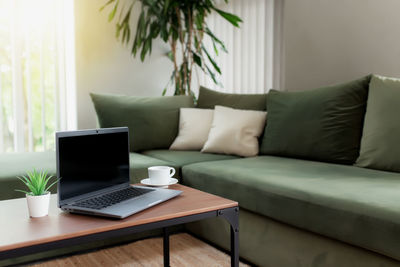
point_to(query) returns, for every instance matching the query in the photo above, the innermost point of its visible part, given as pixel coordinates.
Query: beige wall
(103, 65)
(330, 41)
(326, 42)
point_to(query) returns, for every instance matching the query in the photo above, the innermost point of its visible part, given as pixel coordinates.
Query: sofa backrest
(152, 121)
(209, 99)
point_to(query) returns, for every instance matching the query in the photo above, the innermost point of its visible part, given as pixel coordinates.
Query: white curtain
(248, 65)
(35, 80)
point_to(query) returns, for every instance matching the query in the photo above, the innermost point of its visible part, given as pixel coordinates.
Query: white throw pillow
(194, 126)
(235, 131)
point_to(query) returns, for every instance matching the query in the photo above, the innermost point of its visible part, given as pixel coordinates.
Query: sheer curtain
(253, 60)
(36, 73)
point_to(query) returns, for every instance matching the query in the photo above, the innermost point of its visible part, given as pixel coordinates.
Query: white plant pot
(38, 206)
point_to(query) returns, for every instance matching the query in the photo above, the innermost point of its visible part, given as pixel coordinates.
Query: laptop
(93, 167)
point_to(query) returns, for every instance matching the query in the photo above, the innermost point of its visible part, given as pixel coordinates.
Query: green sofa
(294, 212)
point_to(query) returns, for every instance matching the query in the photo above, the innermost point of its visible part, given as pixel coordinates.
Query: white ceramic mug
(160, 174)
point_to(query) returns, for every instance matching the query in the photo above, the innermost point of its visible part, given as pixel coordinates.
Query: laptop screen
(91, 162)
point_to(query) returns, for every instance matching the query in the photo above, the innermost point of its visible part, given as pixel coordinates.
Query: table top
(18, 230)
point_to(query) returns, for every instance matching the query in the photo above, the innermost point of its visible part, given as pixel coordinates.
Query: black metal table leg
(166, 246)
(234, 247)
(232, 216)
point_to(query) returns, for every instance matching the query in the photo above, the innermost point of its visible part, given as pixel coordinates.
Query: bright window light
(37, 74)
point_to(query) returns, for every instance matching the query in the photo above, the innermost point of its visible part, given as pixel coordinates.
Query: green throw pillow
(152, 121)
(322, 124)
(209, 99)
(380, 142)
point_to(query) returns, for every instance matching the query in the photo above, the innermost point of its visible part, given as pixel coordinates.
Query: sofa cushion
(194, 126)
(235, 132)
(181, 158)
(16, 164)
(209, 99)
(323, 124)
(152, 121)
(380, 146)
(355, 205)
(139, 164)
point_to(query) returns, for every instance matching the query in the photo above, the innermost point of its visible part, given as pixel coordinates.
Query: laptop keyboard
(109, 199)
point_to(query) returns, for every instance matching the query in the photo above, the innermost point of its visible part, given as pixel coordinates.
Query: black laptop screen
(92, 162)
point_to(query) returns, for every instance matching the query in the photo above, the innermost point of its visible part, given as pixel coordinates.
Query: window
(36, 73)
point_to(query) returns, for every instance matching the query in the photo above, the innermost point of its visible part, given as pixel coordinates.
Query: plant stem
(184, 58)
(173, 50)
(189, 48)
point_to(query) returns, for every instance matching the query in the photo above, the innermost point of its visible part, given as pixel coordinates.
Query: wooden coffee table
(21, 235)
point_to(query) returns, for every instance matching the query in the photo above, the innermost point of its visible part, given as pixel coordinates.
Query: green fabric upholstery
(139, 164)
(209, 99)
(380, 146)
(269, 243)
(323, 124)
(152, 121)
(17, 164)
(181, 158)
(355, 205)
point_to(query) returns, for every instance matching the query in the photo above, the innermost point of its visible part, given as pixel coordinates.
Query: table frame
(231, 215)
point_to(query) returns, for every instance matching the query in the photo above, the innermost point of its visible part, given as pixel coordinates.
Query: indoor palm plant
(181, 24)
(38, 196)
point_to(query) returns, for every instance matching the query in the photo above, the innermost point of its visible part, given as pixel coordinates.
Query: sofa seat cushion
(17, 164)
(181, 158)
(139, 164)
(355, 205)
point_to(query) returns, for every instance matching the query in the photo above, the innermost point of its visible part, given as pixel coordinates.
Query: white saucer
(147, 182)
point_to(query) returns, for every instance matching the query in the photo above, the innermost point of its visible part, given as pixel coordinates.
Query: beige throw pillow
(194, 126)
(235, 131)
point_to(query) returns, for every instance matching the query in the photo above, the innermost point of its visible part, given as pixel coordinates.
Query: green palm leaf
(232, 18)
(179, 23)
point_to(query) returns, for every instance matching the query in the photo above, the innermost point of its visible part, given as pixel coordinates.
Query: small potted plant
(38, 197)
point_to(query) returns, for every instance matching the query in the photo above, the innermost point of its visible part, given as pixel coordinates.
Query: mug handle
(171, 173)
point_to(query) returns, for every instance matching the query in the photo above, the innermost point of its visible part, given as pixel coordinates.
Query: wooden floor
(185, 251)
